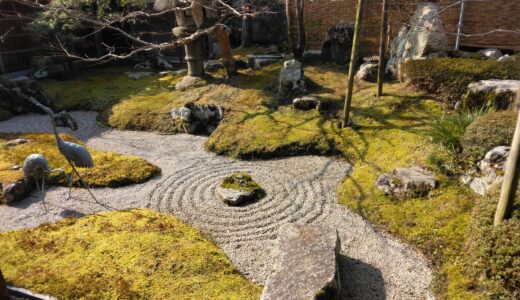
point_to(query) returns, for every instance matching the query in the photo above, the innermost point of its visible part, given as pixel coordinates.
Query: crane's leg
(83, 182)
(37, 185)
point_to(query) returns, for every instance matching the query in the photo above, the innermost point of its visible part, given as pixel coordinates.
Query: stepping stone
(307, 264)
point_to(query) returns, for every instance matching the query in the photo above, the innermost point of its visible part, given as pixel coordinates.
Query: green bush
(493, 261)
(488, 131)
(448, 130)
(448, 78)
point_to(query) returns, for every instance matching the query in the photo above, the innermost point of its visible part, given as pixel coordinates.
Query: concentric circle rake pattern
(191, 194)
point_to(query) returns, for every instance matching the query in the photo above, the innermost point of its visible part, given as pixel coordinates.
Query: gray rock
(197, 118)
(307, 264)
(213, 65)
(16, 142)
(138, 75)
(490, 171)
(367, 72)
(291, 77)
(15, 167)
(338, 46)
(20, 78)
(407, 182)
(259, 61)
(506, 58)
(505, 91)
(16, 191)
(161, 62)
(491, 54)
(234, 197)
(190, 82)
(424, 37)
(306, 103)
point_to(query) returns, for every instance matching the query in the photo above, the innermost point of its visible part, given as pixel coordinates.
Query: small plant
(449, 130)
(244, 182)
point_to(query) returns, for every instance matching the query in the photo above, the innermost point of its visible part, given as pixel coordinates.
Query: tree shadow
(360, 280)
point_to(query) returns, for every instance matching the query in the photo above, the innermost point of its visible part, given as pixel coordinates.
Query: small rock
(407, 182)
(15, 167)
(506, 58)
(138, 75)
(491, 54)
(490, 172)
(258, 61)
(307, 264)
(190, 82)
(198, 118)
(20, 78)
(306, 103)
(213, 65)
(234, 197)
(64, 119)
(16, 142)
(16, 191)
(367, 72)
(161, 62)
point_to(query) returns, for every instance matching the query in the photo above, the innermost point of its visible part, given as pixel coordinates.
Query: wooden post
(246, 24)
(510, 184)
(352, 66)
(382, 49)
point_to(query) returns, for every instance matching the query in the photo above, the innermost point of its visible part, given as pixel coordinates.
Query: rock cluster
(407, 182)
(307, 264)
(490, 171)
(13, 95)
(291, 78)
(198, 118)
(425, 37)
(338, 47)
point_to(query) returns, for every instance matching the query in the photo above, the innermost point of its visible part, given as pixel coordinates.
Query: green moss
(136, 254)
(110, 169)
(449, 78)
(243, 182)
(488, 131)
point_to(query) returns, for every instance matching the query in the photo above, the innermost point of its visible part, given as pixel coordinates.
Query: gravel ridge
(300, 189)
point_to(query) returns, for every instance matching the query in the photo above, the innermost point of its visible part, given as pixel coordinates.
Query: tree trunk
(352, 65)
(246, 25)
(294, 12)
(510, 184)
(300, 48)
(225, 48)
(382, 49)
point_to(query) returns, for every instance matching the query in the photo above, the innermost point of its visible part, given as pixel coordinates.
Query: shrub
(488, 131)
(493, 261)
(448, 78)
(448, 130)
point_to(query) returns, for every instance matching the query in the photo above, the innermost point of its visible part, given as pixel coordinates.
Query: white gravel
(300, 189)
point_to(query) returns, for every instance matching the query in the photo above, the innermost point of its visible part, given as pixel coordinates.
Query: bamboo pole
(510, 184)
(382, 49)
(352, 66)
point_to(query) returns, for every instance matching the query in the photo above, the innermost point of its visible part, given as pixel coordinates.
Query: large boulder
(490, 171)
(423, 38)
(500, 94)
(407, 182)
(338, 47)
(14, 94)
(367, 72)
(307, 264)
(197, 118)
(291, 78)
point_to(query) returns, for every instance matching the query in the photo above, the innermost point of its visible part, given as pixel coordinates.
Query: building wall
(480, 17)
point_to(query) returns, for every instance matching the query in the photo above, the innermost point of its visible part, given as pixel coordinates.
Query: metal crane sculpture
(36, 166)
(76, 155)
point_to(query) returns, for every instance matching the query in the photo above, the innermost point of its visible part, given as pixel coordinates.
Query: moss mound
(243, 182)
(136, 254)
(448, 78)
(110, 169)
(488, 131)
(494, 252)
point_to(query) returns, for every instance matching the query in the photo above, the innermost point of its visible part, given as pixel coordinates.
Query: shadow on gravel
(360, 280)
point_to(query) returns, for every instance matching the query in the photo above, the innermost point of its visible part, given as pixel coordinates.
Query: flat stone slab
(258, 61)
(307, 264)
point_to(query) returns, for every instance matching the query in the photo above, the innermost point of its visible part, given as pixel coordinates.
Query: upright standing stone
(307, 264)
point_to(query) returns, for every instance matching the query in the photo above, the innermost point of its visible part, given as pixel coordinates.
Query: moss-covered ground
(136, 254)
(110, 169)
(388, 132)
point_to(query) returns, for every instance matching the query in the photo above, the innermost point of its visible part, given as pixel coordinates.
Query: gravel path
(300, 189)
